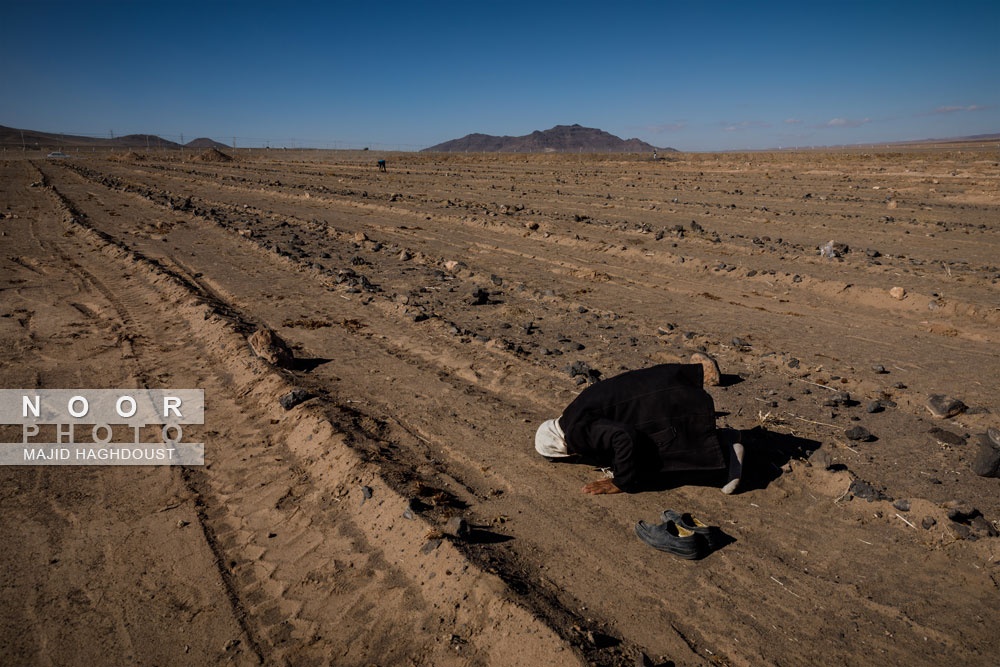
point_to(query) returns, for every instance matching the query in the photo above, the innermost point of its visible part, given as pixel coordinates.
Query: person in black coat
(644, 423)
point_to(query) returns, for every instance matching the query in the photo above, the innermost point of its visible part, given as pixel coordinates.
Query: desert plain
(438, 312)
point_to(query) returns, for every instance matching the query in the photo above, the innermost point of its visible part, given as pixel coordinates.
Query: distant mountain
(970, 137)
(205, 142)
(559, 139)
(143, 140)
(12, 136)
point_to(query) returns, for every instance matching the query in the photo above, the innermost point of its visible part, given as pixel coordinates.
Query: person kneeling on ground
(643, 424)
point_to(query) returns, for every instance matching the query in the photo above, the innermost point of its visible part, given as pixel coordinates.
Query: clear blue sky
(693, 75)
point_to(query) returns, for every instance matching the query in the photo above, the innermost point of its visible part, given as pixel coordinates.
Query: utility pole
(234, 144)
(23, 147)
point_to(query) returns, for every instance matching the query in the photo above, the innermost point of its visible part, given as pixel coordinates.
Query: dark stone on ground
(366, 493)
(946, 437)
(293, 398)
(961, 515)
(928, 522)
(944, 407)
(457, 527)
(879, 368)
(862, 489)
(874, 406)
(858, 433)
(983, 526)
(740, 342)
(987, 461)
(821, 459)
(479, 297)
(960, 531)
(430, 546)
(902, 505)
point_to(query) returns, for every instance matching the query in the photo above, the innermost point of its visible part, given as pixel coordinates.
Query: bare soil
(316, 535)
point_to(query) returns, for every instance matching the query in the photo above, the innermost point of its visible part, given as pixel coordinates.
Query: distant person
(644, 424)
(654, 156)
(381, 165)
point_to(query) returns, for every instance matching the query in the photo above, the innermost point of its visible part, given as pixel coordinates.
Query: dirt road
(434, 310)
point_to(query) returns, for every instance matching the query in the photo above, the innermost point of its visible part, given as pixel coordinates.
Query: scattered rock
(479, 297)
(862, 489)
(430, 546)
(879, 368)
(293, 398)
(269, 346)
(457, 527)
(946, 437)
(454, 265)
(874, 406)
(582, 369)
(960, 531)
(962, 514)
(366, 493)
(858, 433)
(405, 255)
(897, 293)
(987, 461)
(740, 342)
(928, 522)
(983, 526)
(944, 407)
(821, 459)
(902, 505)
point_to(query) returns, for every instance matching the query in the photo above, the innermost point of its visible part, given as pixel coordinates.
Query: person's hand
(600, 486)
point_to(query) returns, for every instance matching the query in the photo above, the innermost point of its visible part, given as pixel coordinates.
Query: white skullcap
(550, 440)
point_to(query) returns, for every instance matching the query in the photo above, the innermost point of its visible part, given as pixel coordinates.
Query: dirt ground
(438, 313)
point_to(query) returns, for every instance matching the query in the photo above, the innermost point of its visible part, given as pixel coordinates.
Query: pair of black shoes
(681, 535)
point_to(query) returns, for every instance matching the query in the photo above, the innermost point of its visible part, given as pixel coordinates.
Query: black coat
(644, 422)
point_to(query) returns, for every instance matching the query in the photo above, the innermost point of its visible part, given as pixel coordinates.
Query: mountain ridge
(558, 139)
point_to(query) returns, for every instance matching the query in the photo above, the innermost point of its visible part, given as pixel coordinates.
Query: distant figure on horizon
(381, 165)
(654, 156)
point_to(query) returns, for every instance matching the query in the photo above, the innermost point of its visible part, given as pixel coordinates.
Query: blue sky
(692, 75)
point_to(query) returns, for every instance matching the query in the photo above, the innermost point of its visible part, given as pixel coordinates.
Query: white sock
(735, 468)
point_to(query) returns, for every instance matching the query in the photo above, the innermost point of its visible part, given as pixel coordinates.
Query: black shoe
(712, 535)
(674, 539)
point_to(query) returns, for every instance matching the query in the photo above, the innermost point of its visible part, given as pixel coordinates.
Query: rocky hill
(205, 142)
(559, 139)
(13, 137)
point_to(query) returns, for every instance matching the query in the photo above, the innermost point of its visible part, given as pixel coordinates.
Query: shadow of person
(766, 453)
